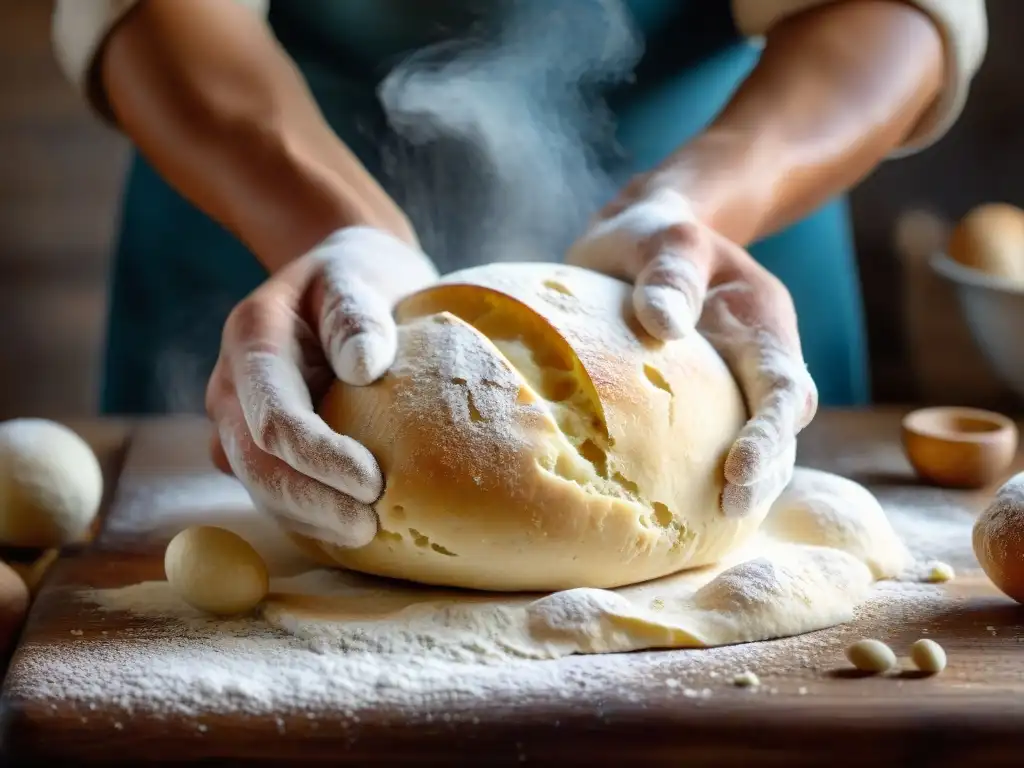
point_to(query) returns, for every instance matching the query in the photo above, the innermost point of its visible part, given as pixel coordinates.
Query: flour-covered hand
(328, 314)
(688, 277)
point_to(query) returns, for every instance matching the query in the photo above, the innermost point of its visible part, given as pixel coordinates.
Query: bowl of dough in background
(984, 261)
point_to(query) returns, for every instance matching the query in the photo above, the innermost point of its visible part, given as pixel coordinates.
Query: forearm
(837, 88)
(222, 113)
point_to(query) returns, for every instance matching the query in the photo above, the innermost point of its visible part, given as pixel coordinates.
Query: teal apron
(177, 274)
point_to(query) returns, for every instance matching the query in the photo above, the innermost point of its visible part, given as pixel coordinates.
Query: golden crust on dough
(534, 438)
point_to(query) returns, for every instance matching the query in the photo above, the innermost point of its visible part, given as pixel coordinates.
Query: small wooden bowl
(959, 447)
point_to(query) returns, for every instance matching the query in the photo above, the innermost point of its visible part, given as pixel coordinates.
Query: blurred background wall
(61, 173)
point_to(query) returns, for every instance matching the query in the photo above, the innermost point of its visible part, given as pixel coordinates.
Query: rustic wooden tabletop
(71, 693)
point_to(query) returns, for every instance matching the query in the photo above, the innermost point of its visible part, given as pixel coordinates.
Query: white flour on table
(186, 665)
(173, 661)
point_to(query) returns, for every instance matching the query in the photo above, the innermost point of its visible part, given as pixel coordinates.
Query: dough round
(533, 437)
(998, 539)
(216, 571)
(51, 484)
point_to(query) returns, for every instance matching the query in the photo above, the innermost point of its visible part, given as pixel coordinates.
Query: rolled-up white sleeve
(80, 27)
(964, 28)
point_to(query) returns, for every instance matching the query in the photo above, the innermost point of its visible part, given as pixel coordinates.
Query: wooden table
(807, 712)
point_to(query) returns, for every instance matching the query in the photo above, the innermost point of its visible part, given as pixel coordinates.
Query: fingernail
(363, 359)
(743, 465)
(665, 313)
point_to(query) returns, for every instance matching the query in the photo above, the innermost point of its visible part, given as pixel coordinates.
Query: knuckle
(683, 235)
(245, 320)
(271, 429)
(674, 271)
(339, 317)
(264, 430)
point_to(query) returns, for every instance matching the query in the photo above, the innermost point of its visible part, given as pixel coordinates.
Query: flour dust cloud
(502, 140)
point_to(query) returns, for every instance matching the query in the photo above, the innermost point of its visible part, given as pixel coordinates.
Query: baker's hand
(328, 314)
(686, 275)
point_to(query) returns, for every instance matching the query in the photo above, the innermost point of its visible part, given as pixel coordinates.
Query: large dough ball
(998, 538)
(215, 570)
(51, 484)
(533, 437)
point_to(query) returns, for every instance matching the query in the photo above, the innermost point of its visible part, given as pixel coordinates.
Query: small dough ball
(871, 656)
(998, 539)
(51, 484)
(535, 438)
(216, 571)
(14, 604)
(990, 238)
(928, 656)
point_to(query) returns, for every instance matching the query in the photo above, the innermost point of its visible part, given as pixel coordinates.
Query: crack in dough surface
(825, 542)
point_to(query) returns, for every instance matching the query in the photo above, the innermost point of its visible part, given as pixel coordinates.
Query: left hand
(687, 276)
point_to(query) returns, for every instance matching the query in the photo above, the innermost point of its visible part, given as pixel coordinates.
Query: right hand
(326, 315)
(687, 277)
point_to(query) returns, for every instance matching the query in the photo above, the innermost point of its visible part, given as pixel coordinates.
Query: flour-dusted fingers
(356, 329)
(618, 245)
(364, 272)
(669, 292)
(294, 499)
(658, 244)
(752, 325)
(741, 500)
(263, 353)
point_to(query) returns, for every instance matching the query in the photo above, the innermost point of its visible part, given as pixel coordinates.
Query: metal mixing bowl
(994, 310)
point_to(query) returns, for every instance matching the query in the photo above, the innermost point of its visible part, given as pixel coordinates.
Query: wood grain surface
(811, 713)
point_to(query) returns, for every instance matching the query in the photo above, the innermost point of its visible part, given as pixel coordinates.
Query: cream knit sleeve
(80, 27)
(964, 27)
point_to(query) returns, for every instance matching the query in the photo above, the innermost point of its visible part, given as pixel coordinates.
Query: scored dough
(825, 541)
(534, 438)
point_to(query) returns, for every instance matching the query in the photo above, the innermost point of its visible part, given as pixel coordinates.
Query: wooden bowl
(959, 447)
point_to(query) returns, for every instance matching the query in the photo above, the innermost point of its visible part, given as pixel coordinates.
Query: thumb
(357, 331)
(668, 294)
(363, 273)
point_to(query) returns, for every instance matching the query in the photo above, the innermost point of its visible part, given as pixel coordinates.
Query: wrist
(296, 192)
(728, 177)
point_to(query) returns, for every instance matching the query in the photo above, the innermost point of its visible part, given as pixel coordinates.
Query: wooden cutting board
(676, 710)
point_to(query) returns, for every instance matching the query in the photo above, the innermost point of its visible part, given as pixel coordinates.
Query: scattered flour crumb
(746, 679)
